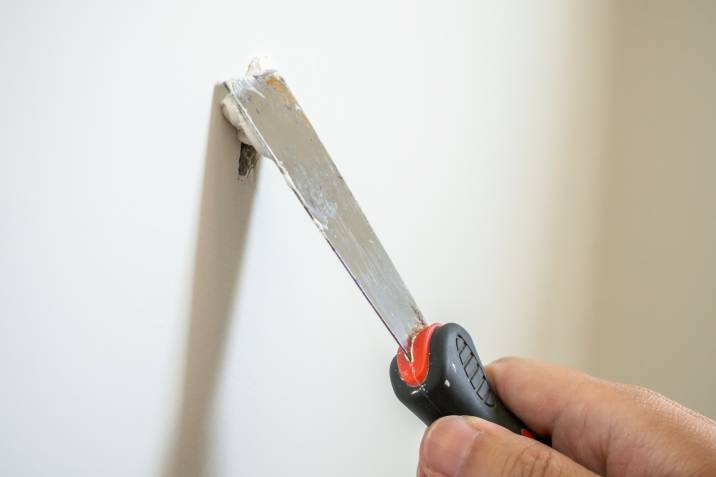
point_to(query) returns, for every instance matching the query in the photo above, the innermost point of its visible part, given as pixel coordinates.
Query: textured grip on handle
(455, 383)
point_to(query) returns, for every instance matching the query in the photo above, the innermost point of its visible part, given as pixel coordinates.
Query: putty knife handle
(446, 377)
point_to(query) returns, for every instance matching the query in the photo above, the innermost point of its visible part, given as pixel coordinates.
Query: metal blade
(276, 125)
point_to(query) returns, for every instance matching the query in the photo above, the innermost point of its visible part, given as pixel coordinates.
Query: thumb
(457, 446)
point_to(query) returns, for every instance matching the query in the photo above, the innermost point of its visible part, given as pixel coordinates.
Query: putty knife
(437, 371)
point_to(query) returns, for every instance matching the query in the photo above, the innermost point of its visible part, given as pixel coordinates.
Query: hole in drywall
(247, 159)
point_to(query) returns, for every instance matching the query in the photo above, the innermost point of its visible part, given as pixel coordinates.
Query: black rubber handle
(455, 384)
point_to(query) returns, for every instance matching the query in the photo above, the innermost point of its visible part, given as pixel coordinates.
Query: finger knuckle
(640, 394)
(533, 461)
(510, 361)
(507, 359)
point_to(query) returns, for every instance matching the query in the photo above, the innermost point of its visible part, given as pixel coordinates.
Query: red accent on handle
(413, 373)
(527, 433)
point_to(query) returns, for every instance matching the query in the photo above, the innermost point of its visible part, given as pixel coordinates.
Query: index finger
(593, 421)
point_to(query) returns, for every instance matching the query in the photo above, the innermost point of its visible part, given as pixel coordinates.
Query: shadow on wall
(225, 213)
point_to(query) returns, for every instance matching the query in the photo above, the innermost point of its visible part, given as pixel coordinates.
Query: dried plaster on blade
(259, 66)
(230, 109)
(231, 113)
(248, 155)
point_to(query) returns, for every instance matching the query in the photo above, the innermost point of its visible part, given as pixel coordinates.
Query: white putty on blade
(229, 108)
(271, 120)
(231, 113)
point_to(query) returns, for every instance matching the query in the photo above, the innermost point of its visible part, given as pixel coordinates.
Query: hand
(597, 428)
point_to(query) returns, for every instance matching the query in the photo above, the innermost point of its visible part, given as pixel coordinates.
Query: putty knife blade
(277, 126)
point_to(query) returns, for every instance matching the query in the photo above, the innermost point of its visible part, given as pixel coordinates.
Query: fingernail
(446, 445)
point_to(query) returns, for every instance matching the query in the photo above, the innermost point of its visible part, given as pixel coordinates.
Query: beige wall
(654, 319)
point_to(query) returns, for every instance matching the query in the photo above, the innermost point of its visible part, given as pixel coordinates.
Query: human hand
(597, 428)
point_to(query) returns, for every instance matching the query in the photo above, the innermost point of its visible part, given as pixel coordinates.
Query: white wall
(162, 317)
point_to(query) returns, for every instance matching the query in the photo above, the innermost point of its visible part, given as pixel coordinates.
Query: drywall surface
(160, 316)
